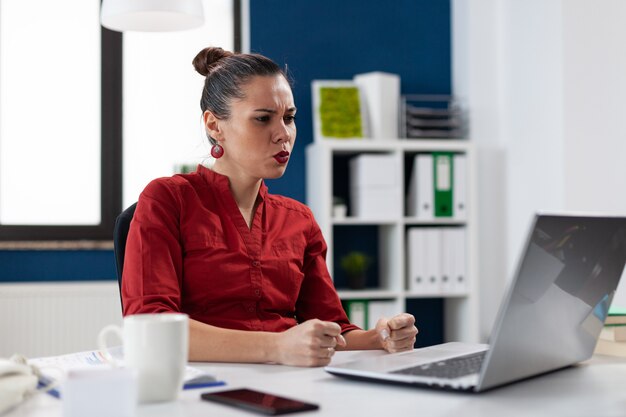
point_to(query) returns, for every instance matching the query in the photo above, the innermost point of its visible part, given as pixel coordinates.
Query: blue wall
(56, 265)
(331, 39)
(336, 39)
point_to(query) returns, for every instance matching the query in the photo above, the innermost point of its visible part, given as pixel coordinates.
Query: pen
(196, 385)
(46, 382)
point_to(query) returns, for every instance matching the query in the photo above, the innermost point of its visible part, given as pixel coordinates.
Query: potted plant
(355, 265)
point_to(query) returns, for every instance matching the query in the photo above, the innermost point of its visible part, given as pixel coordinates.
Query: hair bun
(207, 58)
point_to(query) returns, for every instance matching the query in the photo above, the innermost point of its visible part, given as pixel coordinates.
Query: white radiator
(55, 318)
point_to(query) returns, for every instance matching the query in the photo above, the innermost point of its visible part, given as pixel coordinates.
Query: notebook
(549, 319)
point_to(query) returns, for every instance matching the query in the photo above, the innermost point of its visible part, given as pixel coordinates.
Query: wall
(56, 265)
(545, 88)
(594, 113)
(329, 39)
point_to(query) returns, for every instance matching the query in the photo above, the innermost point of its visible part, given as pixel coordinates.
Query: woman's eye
(263, 118)
(290, 119)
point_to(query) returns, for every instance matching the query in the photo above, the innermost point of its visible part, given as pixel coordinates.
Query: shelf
(385, 238)
(350, 146)
(368, 294)
(434, 222)
(362, 221)
(434, 295)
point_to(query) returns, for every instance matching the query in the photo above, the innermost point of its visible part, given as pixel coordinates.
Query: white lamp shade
(151, 15)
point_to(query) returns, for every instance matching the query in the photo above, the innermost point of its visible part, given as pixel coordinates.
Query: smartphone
(258, 401)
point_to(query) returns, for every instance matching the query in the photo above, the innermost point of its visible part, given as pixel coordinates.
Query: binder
(423, 169)
(459, 192)
(357, 312)
(448, 260)
(411, 196)
(443, 178)
(432, 261)
(416, 242)
(460, 277)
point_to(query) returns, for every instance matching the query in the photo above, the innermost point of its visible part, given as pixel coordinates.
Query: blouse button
(256, 263)
(257, 292)
(251, 309)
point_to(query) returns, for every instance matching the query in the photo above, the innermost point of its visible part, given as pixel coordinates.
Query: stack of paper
(57, 367)
(429, 116)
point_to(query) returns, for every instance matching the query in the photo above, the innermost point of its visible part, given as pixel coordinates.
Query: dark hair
(226, 73)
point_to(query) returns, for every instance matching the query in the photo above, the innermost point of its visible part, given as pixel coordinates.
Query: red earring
(217, 151)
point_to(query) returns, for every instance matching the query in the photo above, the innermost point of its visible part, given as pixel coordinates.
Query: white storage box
(375, 186)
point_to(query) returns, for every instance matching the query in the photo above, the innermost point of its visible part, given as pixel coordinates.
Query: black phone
(258, 401)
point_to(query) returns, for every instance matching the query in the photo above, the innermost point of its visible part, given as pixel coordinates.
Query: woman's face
(260, 134)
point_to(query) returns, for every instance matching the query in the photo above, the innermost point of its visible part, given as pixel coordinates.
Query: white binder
(416, 241)
(459, 193)
(460, 276)
(449, 247)
(411, 198)
(425, 192)
(432, 261)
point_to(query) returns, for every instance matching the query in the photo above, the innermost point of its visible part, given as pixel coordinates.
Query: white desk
(595, 388)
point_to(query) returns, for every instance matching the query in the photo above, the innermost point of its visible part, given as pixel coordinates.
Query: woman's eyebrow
(290, 109)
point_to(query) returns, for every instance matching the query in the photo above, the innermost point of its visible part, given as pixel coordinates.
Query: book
(616, 316)
(615, 333)
(610, 348)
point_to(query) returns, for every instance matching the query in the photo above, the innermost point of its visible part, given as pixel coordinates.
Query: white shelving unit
(324, 158)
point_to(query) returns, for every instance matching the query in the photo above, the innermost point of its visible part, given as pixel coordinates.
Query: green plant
(355, 263)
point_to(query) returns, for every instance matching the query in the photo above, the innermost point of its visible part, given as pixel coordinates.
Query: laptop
(550, 318)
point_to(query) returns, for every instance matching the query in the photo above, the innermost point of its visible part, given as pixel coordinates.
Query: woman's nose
(283, 133)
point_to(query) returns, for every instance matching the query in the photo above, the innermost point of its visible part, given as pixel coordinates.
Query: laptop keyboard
(449, 368)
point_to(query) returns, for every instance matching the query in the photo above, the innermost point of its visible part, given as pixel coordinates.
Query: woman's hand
(311, 343)
(397, 333)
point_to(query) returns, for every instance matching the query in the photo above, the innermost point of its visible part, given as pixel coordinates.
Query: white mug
(156, 348)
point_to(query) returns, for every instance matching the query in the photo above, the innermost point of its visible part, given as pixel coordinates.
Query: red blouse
(190, 250)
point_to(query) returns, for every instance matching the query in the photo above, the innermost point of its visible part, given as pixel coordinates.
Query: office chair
(120, 233)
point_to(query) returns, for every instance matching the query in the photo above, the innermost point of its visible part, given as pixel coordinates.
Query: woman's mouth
(282, 157)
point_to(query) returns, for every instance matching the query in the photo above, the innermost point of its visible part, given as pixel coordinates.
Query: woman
(247, 267)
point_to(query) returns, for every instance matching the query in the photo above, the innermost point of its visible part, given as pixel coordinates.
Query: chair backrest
(120, 233)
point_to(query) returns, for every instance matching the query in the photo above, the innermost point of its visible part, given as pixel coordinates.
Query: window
(162, 134)
(61, 122)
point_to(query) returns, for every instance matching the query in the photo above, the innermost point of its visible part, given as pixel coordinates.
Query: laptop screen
(556, 306)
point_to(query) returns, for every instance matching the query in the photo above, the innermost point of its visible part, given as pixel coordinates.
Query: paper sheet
(56, 367)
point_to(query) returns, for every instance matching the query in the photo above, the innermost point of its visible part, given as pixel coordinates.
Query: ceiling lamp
(151, 15)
